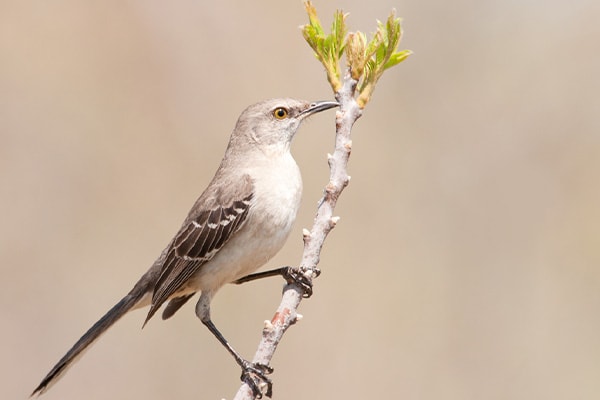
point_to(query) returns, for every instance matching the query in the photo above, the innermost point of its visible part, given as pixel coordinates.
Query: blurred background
(466, 264)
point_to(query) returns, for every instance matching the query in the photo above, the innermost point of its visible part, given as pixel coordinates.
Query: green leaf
(373, 44)
(397, 58)
(312, 17)
(311, 36)
(338, 31)
(380, 53)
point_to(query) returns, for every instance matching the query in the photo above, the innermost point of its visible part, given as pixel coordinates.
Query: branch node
(333, 221)
(346, 181)
(268, 326)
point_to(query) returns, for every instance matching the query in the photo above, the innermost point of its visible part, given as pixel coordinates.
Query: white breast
(278, 190)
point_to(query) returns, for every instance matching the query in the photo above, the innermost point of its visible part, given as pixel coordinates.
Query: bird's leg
(290, 274)
(252, 373)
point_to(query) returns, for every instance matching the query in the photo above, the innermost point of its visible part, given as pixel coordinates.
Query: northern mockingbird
(240, 221)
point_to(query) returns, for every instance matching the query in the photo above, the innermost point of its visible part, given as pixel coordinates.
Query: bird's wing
(212, 222)
(175, 304)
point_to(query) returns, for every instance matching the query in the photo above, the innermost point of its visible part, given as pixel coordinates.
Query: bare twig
(286, 314)
(366, 61)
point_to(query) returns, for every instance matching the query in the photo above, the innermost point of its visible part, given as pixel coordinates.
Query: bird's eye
(280, 113)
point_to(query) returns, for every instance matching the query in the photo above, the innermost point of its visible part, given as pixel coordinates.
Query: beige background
(466, 262)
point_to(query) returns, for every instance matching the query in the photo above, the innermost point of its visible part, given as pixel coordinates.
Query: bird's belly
(264, 233)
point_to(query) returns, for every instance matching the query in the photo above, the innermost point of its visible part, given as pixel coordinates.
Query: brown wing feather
(203, 234)
(175, 304)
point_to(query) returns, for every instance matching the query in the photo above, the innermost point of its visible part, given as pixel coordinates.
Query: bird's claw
(297, 276)
(255, 376)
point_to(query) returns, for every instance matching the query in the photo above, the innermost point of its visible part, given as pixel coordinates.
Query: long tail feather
(113, 315)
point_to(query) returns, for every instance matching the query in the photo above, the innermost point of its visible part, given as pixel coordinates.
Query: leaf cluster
(366, 59)
(328, 48)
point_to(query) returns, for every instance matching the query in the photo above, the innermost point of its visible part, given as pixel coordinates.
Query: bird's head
(274, 122)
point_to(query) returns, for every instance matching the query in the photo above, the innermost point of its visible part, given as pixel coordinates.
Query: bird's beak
(319, 106)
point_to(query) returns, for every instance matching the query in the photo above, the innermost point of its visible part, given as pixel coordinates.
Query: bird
(239, 222)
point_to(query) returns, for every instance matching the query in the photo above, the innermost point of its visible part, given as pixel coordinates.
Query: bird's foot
(255, 376)
(298, 276)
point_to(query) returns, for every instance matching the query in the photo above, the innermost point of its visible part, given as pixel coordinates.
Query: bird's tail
(126, 304)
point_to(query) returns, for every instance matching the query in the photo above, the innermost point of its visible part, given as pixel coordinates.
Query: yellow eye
(280, 113)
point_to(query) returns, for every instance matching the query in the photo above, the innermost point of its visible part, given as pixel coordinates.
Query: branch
(286, 314)
(365, 65)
